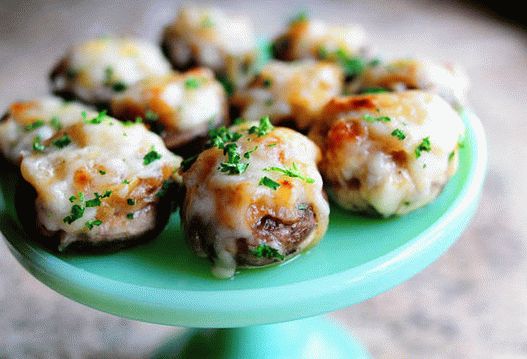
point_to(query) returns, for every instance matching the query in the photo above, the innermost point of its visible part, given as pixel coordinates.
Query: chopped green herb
(451, 155)
(192, 83)
(233, 166)
(79, 197)
(62, 141)
(352, 66)
(373, 90)
(151, 157)
(424, 146)
(266, 181)
(398, 134)
(369, 118)
(293, 172)
(323, 53)
(188, 162)
(239, 121)
(126, 181)
(91, 224)
(38, 146)
(248, 153)
(130, 215)
(227, 84)
(119, 86)
(33, 126)
(151, 116)
(219, 137)
(263, 128)
(301, 16)
(272, 145)
(55, 123)
(102, 172)
(130, 201)
(266, 83)
(265, 251)
(101, 116)
(96, 202)
(76, 213)
(164, 189)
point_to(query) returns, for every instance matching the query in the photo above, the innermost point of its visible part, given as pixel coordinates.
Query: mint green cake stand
(162, 282)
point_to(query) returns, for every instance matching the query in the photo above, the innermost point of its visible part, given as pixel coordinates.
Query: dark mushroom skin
(100, 183)
(180, 107)
(387, 153)
(97, 69)
(244, 220)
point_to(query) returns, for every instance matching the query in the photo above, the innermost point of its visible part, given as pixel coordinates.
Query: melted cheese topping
(209, 37)
(291, 91)
(185, 103)
(369, 168)
(232, 205)
(101, 157)
(91, 70)
(448, 81)
(311, 38)
(41, 118)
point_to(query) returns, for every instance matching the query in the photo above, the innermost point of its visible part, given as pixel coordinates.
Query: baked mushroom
(95, 70)
(179, 107)
(201, 36)
(100, 184)
(306, 38)
(388, 153)
(290, 92)
(446, 80)
(28, 123)
(254, 197)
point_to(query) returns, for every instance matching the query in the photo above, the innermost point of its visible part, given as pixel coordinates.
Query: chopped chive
(268, 182)
(62, 141)
(398, 134)
(34, 125)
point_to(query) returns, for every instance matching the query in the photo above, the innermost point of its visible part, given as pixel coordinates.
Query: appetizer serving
(290, 92)
(100, 182)
(447, 80)
(209, 37)
(254, 197)
(97, 69)
(388, 153)
(27, 123)
(179, 107)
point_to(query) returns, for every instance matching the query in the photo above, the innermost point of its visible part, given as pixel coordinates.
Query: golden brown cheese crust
(115, 174)
(290, 92)
(179, 107)
(388, 153)
(226, 217)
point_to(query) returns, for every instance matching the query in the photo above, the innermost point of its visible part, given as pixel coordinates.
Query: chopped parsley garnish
(151, 156)
(266, 83)
(424, 146)
(38, 145)
(119, 86)
(272, 145)
(188, 162)
(151, 116)
(130, 215)
(126, 181)
(96, 202)
(300, 17)
(266, 181)
(227, 84)
(292, 171)
(239, 121)
(233, 166)
(398, 134)
(79, 197)
(248, 153)
(264, 127)
(164, 189)
(102, 172)
(33, 126)
(352, 66)
(96, 120)
(373, 90)
(130, 201)
(265, 251)
(62, 141)
(192, 83)
(76, 213)
(207, 22)
(55, 123)
(109, 80)
(369, 118)
(219, 137)
(93, 223)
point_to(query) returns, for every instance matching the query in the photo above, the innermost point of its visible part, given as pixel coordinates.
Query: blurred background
(472, 303)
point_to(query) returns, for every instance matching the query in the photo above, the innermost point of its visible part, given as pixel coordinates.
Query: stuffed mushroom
(254, 197)
(388, 153)
(28, 123)
(290, 92)
(100, 184)
(446, 80)
(179, 107)
(208, 37)
(95, 70)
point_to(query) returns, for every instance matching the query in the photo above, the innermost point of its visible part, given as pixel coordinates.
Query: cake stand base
(304, 339)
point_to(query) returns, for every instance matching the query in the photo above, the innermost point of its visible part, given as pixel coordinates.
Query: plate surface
(162, 282)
